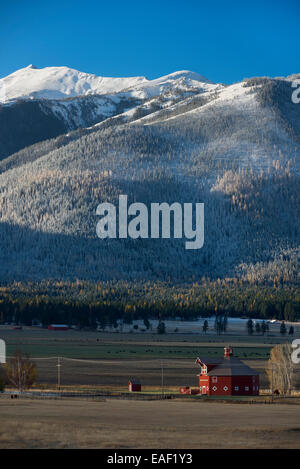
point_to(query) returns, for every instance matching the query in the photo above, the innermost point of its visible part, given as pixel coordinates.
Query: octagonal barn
(227, 376)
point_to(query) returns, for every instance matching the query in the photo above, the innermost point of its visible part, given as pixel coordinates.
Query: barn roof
(211, 361)
(232, 366)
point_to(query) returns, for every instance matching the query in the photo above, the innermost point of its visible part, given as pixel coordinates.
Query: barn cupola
(228, 352)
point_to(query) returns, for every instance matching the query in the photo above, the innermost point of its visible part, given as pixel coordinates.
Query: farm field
(156, 424)
(97, 359)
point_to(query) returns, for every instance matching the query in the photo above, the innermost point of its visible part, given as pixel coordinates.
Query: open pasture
(110, 359)
(156, 424)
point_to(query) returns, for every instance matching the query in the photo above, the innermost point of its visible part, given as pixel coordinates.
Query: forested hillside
(234, 148)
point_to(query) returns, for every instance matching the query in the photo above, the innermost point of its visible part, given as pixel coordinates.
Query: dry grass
(132, 424)
(116, 424)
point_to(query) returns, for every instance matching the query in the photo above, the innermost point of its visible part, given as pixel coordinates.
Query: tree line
(88, 304)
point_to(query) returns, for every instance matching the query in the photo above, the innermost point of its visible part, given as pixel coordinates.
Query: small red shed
(188, 390)
(134, 385)
(185, 390)
(227, 376)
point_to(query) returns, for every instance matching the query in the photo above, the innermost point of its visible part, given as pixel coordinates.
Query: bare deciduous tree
(280, 369)
(20, 371)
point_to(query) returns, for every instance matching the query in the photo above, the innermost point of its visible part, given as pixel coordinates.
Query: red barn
(227, 376)
(134, 385)
(58, 327)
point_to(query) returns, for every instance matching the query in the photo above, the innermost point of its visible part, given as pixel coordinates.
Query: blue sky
(224, 40)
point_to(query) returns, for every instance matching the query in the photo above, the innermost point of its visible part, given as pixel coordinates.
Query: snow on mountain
(176, 138)
(61, 99)
(48, 199)
(183, 81)
(60, 82)
(65, 82)
(229, 119)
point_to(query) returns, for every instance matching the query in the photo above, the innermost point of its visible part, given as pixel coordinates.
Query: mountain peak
(61, 82)
(64, 82)
(188, 75)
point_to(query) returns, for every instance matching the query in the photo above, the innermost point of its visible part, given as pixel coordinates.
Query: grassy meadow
(93, 359)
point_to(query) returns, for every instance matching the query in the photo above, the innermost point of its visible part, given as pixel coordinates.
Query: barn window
(236, 388)
(214, 379)
(215, 388)
(225, 388)
(204, 369)
(246, 388)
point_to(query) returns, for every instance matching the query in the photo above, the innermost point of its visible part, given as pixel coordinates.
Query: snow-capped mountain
(63, 82)
(59, 82)
(176, 138)
(56, 100)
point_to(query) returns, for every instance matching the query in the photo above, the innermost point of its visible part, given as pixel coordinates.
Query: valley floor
(123, 424)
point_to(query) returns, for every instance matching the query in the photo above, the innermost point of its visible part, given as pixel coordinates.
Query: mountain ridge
(64, 82)
(63, 99)
(234, 148)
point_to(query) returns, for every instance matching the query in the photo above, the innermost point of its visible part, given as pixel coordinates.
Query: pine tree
(161, 328)
(146, 323)
(283, 328)
(250, 326)
(264, 327)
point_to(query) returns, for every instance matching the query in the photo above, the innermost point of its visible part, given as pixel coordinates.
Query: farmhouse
(227, 376)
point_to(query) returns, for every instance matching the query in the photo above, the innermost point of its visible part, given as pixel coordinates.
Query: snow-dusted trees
(223, 157)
